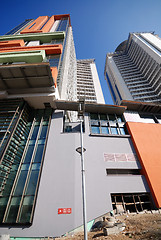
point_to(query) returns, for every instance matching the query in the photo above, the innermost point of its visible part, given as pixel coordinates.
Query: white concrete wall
(152, 39)
(55, 25)
(97, 85)
(117, 79)
(135, 117)
(147, 48)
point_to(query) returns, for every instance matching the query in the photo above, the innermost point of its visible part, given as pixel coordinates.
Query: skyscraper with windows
(133, 70)
(41, 49)
(88, 84)
(40, 169)
(37, 66)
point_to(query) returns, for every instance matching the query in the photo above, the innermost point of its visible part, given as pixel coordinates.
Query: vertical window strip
(11, 152)
(11, 160)
(62, 25)
(14, 197)
(54, 60)
(60, 72)
(19, 27)
(7, 124)
(21, 205)
(26, 211)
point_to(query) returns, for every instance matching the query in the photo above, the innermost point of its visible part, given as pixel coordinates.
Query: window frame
(109, 123)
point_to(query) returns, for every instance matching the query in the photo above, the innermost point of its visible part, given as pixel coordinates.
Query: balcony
(26, 78)
(34, 56)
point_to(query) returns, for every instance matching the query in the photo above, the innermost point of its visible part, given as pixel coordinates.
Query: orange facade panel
(35, 26)
(54, 72)
(43, 24)
(12, 43)
(49, 49)
(146, 138)
(48, 25)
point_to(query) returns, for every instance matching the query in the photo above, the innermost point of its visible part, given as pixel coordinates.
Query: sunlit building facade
(133, 70)
(37, 66)
(88, 83)
(39, 49)
(40, 169)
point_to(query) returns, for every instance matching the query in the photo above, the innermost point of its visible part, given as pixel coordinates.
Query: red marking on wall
(64, 210)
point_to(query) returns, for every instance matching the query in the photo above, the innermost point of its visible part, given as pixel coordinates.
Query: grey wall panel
(60, 185)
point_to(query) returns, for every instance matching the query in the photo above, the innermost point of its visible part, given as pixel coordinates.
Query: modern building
(41, 188)
(38, 61)
(133, 70)
(40, 169)
(88, 84)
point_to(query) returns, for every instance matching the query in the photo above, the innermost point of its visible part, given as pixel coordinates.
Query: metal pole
(83, 181)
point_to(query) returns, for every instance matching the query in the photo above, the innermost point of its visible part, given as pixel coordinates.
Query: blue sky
(99, 26)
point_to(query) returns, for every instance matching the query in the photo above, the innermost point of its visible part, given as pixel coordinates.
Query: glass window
(95, 122)
(103, 117)
(32, 182)
(122, 131)
(3, 204)
(94, 116)
(112, 117)
(54, 60)
(20, 184)
(24, 172)
(29, 154)
(26, 209)
(107, 124)
(43, 132)
(119, 119)
(147, 118)
(114, 130)
(63, 24)
(35, 132)
(104, 130)
(19, 27)
(39, 153)
(13, 210)
(95, 129)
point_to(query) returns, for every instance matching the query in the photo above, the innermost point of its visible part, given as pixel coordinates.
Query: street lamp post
(81, 150)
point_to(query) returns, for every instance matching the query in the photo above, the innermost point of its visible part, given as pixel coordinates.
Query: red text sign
(64, 210)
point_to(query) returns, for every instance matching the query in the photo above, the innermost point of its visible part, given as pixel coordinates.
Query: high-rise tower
(88, 84)
(37, 66)
(41, 49)
(133, 70)
(40, 169)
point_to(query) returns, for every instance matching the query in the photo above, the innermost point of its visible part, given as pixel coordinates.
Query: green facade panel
(42, 37)
(34, 56)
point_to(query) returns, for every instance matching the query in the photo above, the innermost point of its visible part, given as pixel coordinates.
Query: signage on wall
(64, 210)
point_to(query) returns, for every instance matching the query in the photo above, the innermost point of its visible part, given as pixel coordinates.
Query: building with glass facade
(133, 70)
(40, 169)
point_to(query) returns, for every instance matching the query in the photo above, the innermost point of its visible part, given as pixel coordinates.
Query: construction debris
(146, 225)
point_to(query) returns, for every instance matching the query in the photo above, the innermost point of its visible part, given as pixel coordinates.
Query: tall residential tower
(88, 84)
(133, 71)
(40, 168)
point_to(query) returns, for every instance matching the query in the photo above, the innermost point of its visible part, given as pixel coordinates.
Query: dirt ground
(146, 226)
